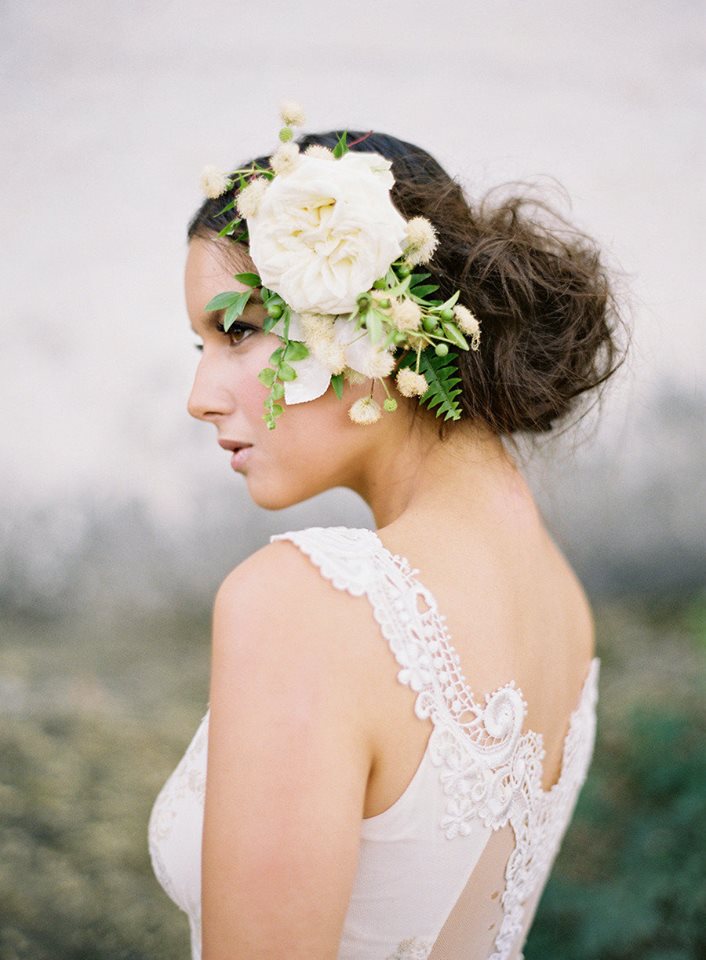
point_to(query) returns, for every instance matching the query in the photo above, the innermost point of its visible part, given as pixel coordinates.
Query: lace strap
(342, 554)
(354, 559)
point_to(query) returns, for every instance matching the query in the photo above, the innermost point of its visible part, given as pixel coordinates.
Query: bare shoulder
(289, 759)
(276, 613)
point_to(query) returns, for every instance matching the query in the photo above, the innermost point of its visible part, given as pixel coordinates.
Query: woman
(376, 778)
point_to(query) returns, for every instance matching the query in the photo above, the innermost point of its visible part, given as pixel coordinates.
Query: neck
(429, 478)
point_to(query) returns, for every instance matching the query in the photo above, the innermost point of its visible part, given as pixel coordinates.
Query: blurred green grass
(96, 715)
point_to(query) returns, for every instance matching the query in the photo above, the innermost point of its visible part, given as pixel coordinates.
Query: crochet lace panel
(489, 769)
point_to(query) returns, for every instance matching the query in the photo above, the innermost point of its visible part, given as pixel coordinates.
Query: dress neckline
(403, 564)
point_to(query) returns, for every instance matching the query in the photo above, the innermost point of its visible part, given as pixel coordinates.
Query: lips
(233, 445)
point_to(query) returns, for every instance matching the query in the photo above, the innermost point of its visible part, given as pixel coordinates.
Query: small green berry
(446, 314)
(285, 134)
(274, 310)
(390, 404)
(441, 349)
(399, 336)
(384, 304)
(429, 324)
(404, 270)
(380, 284)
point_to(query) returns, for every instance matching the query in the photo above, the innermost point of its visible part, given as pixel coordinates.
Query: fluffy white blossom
(422, 241)
(316, 326)
(214, 181)
(353, 377)
(365, 410)
(285, 159)
(248, 200)
(406, 315)
(467, 324)
(330, 353)
(411, 384)
(324, 233)
(319, 151)
(291, 114)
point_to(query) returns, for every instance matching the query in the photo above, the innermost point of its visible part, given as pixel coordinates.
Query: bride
(400, 720)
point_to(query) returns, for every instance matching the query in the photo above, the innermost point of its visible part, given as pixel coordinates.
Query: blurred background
(119, 515)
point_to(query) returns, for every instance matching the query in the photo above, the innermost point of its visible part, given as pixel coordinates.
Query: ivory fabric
(454, 869)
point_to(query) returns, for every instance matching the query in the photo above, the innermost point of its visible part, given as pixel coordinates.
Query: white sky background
(110, 111)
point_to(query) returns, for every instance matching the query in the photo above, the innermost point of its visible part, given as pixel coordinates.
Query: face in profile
(314, 446)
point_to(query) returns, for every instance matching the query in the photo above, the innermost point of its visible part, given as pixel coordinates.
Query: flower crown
(335, 265)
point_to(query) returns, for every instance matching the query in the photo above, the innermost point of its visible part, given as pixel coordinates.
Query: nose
(210, 396)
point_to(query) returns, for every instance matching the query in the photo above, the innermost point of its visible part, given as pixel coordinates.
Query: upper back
(471, 790)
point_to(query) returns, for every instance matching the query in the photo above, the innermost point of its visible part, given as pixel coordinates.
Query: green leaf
(296, 350)
(425, 289)
(226, 208)
(286, 372)
(453, 333)
(418, 277)
(277, 355)
(266, 376)
(277, 390)
(441, 375)
(451, 301)
(374, 325)
(337, 384)
(229, 227)
(249, 279)
(269, 322)
(235, 309)
(399, 288)
(277, 409)
(341, 147)
(223, 300)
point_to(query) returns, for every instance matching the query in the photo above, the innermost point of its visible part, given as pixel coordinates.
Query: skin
(279, 864)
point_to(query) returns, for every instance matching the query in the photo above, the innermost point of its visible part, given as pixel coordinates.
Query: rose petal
(313, 378)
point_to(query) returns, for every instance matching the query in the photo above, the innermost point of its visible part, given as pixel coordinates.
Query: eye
(237, 334)
(236, 328)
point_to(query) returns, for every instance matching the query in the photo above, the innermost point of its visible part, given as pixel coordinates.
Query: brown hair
(544, 299)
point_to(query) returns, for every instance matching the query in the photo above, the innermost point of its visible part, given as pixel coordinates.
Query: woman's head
(536, 285)
(316, 446)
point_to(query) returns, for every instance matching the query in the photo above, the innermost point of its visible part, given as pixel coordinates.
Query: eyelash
(235, 328)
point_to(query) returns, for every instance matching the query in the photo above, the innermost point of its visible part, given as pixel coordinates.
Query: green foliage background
(96, 716)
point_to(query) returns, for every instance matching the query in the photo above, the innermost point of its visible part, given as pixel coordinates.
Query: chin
(270, 498)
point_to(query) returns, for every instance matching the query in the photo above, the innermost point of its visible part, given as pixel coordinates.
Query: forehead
(210, 269)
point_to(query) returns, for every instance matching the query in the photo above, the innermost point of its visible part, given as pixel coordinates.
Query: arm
(288, 762)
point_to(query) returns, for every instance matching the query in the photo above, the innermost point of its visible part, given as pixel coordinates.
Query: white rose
(324, 233)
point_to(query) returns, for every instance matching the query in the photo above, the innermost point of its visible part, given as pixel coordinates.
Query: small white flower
(381, 364)
(319, 151)
(214, 182)
(406, 315)
(248, 200)
(316, 326)
(291, 114)
(286, 158)
(354, 377)
(365, 410)
(411, 384)
(330, 353)
(422, 241)
(467, 324)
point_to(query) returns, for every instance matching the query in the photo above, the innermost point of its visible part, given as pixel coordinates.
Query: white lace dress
(454, 869)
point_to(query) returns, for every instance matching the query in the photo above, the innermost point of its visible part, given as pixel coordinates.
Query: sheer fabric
(454, 869)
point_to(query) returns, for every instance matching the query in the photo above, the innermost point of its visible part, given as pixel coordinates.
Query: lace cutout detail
(412, 949)
(489, 769)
